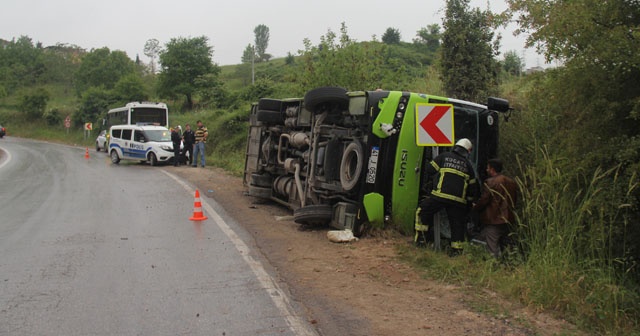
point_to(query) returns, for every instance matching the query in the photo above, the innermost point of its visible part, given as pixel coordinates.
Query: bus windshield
(158, 135)
(149, 115)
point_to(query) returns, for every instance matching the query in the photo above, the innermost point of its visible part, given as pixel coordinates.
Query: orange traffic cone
(197, 209)
(86, 154)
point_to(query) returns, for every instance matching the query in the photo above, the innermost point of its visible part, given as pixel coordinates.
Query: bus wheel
(326, 98)
(114, 157)
(153, 160)
(318, 214)
(351, 165)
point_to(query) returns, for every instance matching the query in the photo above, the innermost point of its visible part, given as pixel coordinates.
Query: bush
(34, 103)
(52, 117)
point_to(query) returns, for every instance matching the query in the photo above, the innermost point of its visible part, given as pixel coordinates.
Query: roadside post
(87, 130)
(67, 123)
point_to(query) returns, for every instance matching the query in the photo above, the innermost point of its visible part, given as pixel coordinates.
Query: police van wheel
(114, 157)
(351, 165)
(153, 160)
(317, 214)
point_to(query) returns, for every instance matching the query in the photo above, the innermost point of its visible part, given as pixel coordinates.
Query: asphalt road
(92, 248)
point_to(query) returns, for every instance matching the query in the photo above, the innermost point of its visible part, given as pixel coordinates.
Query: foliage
(602, 33)
(151, 49)
(263, 87)
(512, 63)
(261, 42)
(391, 36)
(129, 88)
(248, 55)
(21, 64)
(428, 38)
(53, 117)
(33, 103)
(326, 64)
(102, 68)
(468, 68)
(187, 68)
(290, 59)
(94, 102)
(573, 245)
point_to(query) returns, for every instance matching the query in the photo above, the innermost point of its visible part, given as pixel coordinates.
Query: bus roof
(140, 104)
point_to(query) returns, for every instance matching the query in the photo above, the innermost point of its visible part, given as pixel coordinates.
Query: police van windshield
(158, 135)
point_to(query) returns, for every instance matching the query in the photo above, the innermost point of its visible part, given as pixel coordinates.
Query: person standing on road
(496, 205)
(454, 189)
(189, 139)
(176, 139)
(201, 138)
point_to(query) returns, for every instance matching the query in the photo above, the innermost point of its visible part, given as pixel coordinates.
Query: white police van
(140, 142)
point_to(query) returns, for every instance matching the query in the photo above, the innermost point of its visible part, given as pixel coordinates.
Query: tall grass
(566, 231)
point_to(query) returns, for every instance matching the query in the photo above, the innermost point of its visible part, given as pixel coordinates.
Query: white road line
(7, 159)
(296, 323)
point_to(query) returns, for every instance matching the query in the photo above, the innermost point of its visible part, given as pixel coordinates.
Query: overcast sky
(127, 24)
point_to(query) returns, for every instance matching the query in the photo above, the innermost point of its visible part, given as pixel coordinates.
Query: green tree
(512, 63)
(429, 37)
(130, 88)
(340, 61)
(21, 63)
(94, 102)
(61, 62)
(103, 68)
(248, 55)
(262, 42)
(467, 65)
(187, 68)
(391, 36)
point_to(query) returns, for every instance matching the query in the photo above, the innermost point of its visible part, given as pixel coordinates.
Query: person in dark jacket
(189, 139)
(496, 205)
(176, 139)
(454, 189)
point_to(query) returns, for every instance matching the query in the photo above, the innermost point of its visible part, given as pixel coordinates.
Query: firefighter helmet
(465, 143)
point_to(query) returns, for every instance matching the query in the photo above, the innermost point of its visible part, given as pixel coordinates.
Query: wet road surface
(92, 248)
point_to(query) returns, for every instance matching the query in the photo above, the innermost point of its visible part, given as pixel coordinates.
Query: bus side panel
(406, 169)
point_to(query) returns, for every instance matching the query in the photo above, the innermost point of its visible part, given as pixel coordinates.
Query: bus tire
(320, 99)
(317, 214)
(263, 180)
(260, 192)
(351, 165)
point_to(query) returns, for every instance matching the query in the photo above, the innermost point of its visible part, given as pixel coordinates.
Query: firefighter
(454, 189)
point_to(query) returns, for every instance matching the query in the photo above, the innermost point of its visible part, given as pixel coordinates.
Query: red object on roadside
(197, 209)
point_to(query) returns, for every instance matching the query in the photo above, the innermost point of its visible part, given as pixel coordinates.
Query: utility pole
(253, 65)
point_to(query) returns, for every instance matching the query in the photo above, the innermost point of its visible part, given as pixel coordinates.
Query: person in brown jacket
(496, 206)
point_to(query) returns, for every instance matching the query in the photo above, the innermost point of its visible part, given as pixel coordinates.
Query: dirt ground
(360, 288)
